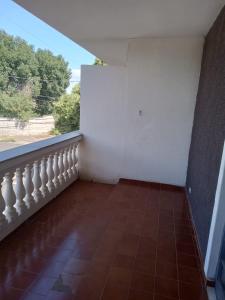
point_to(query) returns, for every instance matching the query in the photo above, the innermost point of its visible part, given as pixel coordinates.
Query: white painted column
(44, 178)
(2, 208)
(65, 165)
(28, 184)
(37, 182)
(61, 168)
(56, 170)
(9, 197)
(20, 192)
(50, 173)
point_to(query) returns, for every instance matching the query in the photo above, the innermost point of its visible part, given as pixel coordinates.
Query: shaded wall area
(208, 131)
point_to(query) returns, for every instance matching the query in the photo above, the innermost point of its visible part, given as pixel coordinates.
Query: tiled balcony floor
(96, 241)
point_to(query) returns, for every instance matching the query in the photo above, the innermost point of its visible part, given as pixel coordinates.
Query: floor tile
(187, 260)
(145, 265)
(119, 276)
(190, 275)
(42, 285)
(117, 292)
(76, 266)
(192, 291)
(186, 248)
(31, 296)
(23, 280)
(143, 282)
(140, 295)
(167, 270)
(97, 241)
(167, 287)
(123, 261)
(159, 297)
(10, 294)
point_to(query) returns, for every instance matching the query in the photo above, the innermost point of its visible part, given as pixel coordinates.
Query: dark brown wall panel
(208, 131)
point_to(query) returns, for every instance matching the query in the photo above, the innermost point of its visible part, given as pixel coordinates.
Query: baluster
(75, 159)
(37, 182)
(28, 184)
(70, 172)
(50, 173)
(44, 177)
(20, 192)
(61, 168)
(9, 197)
(56, 171)
(2, 208)
(65, 164)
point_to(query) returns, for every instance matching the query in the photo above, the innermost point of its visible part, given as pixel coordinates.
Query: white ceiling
(89, 21)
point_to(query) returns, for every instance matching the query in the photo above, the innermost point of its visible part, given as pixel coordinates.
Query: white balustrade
(33, 175)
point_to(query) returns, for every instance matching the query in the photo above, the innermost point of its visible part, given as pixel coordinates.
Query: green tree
(17, 105)
(54, 76)
(99, 62)
(19, 66)
(39, 74)
(67, 111)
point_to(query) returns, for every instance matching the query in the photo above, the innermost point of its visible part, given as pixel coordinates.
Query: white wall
(103, 118)
(137, 120)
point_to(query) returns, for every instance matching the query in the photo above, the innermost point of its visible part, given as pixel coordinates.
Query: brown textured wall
(208, 131)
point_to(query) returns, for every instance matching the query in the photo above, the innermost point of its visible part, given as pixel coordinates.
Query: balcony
(155, 114)
(133, 240)
(34, 174)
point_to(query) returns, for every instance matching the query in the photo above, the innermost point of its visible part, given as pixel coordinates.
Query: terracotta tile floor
(95, 241)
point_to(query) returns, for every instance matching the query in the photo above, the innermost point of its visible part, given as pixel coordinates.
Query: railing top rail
(17, 152)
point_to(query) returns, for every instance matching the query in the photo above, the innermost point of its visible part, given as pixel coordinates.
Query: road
(8, 145)
(19, 141)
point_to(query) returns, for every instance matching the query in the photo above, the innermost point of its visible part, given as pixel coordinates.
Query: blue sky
(17, 21)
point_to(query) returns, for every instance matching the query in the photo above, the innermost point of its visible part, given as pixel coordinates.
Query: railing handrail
(34, 174)
(15, 153)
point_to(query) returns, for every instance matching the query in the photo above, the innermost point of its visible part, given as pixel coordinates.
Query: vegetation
(34, 83)
(16, 105)
(99, 62)
(54, 77)
(26, 74)
(67, 111)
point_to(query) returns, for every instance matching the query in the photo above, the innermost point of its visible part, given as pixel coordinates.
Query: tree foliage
(18, 64)
(17, 105)
(37, 74)
(67, 111)
(54, 76)
(99, 62)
